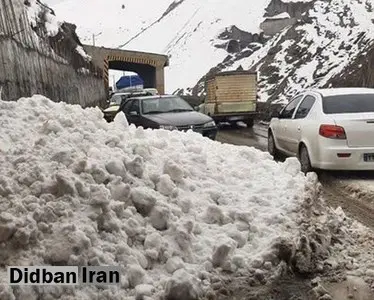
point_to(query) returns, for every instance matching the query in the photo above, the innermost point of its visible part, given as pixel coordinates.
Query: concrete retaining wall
(28, 65)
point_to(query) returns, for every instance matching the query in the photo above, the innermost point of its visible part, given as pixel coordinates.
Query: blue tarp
(129, 81)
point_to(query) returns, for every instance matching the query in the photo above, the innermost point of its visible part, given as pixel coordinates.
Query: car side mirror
(196, 108)
(133, 113)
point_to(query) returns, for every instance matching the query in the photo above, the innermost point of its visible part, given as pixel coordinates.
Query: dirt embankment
(352, 192)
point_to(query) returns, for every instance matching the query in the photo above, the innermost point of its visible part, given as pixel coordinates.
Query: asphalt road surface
(242, 136)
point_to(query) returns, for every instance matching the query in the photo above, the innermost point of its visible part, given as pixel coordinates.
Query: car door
(281, 127)
(133, 115)
(295, 126)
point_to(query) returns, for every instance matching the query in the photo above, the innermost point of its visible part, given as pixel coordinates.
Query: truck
(231, 97)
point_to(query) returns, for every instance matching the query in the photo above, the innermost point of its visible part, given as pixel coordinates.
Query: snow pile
(170, 208)
(334, 247)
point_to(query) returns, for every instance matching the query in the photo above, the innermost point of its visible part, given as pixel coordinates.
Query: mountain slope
(323, 41)
(316, 51)
(187, 31)
(118, 20)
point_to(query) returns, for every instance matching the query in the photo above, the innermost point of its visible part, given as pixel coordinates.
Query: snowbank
(170, 208)
(76, 190)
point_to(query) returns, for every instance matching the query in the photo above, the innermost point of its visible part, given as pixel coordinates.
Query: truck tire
(249, 123)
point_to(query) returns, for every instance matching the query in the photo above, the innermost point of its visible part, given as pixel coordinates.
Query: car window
(126, 105)
(289, 110)
(165, 105)
(344, 104)
(135, 106)
(305, 107)
(116, 100)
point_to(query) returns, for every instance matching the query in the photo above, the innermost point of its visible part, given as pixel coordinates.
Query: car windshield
(164, 105)
(344, 104)
(117, 99)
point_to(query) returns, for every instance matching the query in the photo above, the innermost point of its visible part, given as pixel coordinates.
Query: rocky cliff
(40, 55)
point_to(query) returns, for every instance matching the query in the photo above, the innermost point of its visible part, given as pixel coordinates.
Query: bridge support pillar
(160, 80)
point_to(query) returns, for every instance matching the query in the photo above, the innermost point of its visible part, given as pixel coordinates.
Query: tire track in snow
(336, 196)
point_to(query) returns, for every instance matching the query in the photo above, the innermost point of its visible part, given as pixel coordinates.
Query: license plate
(369, 157)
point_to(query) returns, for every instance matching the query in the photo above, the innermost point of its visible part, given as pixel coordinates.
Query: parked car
(167, 112)
(330, 129)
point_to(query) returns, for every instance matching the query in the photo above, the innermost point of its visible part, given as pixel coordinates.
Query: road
(345, 189)
(242, 136)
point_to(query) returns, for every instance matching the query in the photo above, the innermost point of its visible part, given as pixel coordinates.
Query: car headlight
(210, 124)
(168, 127)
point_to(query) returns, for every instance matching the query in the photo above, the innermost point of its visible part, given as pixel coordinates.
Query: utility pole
(94, 36)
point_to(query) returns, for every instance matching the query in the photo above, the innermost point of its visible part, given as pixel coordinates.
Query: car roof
(121, 94)
(341, 91)
(154, 97)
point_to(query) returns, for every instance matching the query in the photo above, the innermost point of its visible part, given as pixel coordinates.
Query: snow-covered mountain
(301, 43)
(326, 47)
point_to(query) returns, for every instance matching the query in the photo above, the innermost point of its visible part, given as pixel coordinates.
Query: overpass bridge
(149, 66)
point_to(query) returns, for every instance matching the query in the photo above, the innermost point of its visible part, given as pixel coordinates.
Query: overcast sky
(53, 2)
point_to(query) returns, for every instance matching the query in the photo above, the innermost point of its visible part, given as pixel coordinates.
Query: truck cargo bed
(235, 107)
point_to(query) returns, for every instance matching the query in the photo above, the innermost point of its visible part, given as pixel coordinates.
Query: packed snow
(172, 209)
(76, 190)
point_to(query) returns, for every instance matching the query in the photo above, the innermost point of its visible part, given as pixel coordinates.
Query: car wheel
(249, 123)
(304, 160)
(272, 148)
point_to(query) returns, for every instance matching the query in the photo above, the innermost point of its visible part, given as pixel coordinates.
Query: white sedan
(331, 129)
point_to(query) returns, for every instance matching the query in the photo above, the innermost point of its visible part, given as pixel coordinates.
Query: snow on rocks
(42, 17)
(40, 13)
(169, 208)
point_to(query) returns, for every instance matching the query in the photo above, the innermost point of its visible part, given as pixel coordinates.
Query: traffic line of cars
(328, 129)
(169, 112)
(230, 97)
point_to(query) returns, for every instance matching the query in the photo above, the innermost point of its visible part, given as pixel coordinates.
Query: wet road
(242, 136)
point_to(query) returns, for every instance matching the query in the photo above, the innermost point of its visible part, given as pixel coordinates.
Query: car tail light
(332, 132)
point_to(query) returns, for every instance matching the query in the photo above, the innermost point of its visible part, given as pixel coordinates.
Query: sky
(114, 75)
(53, 2)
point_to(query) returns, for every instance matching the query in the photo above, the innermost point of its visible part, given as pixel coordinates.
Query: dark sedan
(167, 112)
